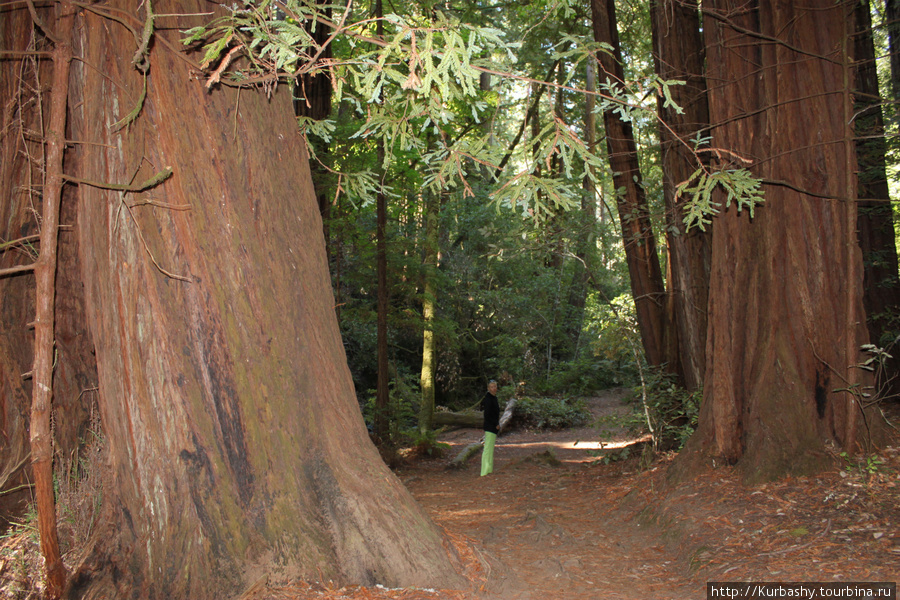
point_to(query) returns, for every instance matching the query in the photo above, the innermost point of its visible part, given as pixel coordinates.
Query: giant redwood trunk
(679, 55)
(786, 319)
(236, 447)
(637, 231)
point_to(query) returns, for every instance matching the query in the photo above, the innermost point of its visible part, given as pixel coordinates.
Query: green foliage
(403, 407)
(427, 444)
(551, 413)
(739, 185)
(869, 464)
(672, 411)
(587, 374)
(411, 120)
(611, 325)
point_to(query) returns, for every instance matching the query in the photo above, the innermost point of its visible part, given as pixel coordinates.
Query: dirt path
(554, 523)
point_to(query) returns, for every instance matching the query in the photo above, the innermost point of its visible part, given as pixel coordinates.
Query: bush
(551, 413)
(673, 411)
(585, 375)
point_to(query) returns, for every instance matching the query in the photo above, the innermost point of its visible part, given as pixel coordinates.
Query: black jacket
(491, 409)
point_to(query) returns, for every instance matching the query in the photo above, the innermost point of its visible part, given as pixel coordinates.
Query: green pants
(487, 455)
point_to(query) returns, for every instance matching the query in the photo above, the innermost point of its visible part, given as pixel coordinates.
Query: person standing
(491, 409)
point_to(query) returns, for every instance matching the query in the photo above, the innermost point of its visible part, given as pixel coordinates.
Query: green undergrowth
(551, 413)
(78, 486)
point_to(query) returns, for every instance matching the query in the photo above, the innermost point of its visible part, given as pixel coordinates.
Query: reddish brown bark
(17, 222)
(786, 318)
(45, 294)
(236, 446)
(881, 286)
(637, 231)
(679, 55)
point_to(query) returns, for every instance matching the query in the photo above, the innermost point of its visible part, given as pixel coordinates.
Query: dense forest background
(544, 300)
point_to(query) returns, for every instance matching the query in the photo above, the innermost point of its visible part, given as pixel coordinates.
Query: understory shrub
(672, 410)
(551, 413)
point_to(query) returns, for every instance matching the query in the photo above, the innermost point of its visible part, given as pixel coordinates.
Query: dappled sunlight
(578, 444)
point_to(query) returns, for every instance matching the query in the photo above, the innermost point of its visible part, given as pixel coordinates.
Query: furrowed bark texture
(875, 222)
(679, 54)
(786, 318)
(21, 185)
(20, 111)
(236, 444)
(45, 305)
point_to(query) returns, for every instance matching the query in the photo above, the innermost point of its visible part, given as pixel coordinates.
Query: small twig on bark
(141, 58)
(40, 23)
(14, 270)
(124, 187)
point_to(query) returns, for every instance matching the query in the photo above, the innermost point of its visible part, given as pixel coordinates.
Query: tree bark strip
(429, 304)
(679, 55)
(637, 231)
(875, 221)
(45, 284)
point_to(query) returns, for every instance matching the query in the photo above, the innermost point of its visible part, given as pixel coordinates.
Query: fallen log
(473, 449)
(464, 455)
(471, 419)
(507, 415)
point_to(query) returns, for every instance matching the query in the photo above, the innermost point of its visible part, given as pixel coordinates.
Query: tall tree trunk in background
(881, 295)
(429, 303)
(382, 391)
(892, 17)
(312, 98)
(236, 447)
(586, 221)
(786, 319)
(679, 55)
(637, 232)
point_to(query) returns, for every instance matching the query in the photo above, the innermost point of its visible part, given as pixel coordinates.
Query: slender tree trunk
(875, 222)
(530, 116)
(312, 98)
(786, 319)
(892, 17)
(586, 222)
(637, 231)
(382, 392)
(236, 447)
(679, 55)
(429, 302)
(45, 292)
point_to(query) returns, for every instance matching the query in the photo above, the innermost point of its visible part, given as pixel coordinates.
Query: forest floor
(560, 518)
(557, 522)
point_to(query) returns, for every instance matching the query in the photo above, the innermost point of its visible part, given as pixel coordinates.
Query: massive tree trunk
(876, 223)
(786, 319)
(637, 231)
(236, 446)
(679, 55)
